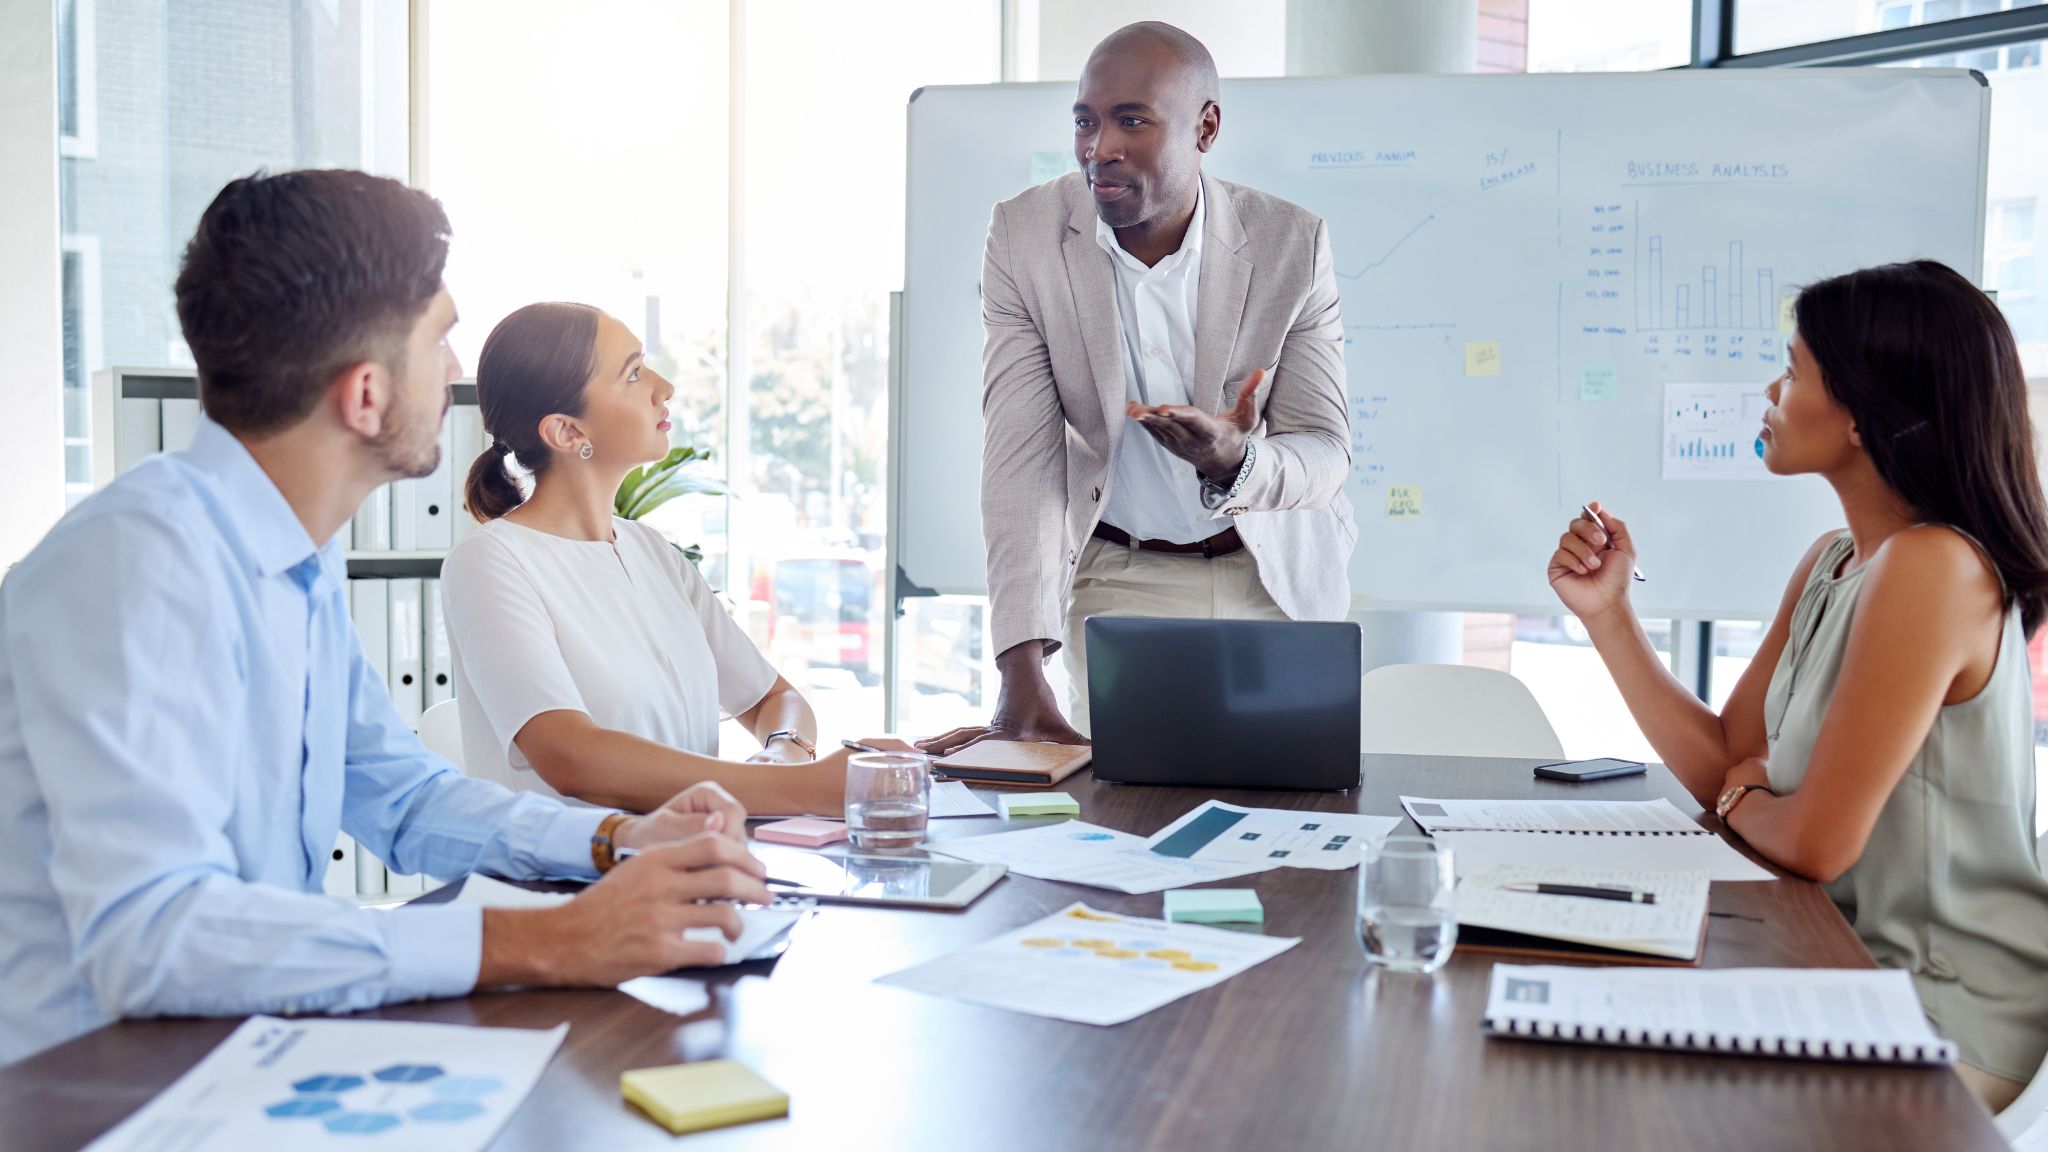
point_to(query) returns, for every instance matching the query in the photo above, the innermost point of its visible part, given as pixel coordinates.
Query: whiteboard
(1556, 288)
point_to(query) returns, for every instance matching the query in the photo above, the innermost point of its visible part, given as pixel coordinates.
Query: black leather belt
(1221, 544)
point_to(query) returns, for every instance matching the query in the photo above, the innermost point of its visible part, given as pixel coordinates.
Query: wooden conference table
(1308, 1050)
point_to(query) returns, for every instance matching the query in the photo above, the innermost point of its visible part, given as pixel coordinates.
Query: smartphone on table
(1574, 771)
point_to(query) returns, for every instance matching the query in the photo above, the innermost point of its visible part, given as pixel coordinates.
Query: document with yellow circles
(1091, 967)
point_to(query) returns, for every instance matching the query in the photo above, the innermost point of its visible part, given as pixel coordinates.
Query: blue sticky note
(1214, 906)
(1596, 382)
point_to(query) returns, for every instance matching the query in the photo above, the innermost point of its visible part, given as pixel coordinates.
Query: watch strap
(1215, 495)
(794, 737)
(603, 849)
(1735, 796)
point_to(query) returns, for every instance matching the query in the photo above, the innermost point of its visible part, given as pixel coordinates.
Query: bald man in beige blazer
(1166, 426)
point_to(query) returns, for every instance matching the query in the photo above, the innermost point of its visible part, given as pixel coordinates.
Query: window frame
(91, 342)
(83, 144)
(1714, 39)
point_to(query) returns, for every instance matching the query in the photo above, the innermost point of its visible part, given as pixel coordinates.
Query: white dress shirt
(186, 720)
(624, 631)
(1153, 494)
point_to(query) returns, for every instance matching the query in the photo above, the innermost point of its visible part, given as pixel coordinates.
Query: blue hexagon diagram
(304, 1106)
(447, 1111)
(327, 1084)
(361, 1123)
(409, 1073)
(467, 1086)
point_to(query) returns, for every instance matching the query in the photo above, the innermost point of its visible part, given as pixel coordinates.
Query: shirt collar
(1190, 245)
(272, 539)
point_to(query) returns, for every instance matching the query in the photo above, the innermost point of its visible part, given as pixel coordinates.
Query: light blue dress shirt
(186, 720)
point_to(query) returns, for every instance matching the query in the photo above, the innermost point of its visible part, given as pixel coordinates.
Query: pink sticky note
(803, 831)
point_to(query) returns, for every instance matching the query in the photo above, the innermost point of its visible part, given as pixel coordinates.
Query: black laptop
(1224, 703)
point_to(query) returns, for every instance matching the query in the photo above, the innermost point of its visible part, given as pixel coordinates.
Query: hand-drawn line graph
(1389, 253)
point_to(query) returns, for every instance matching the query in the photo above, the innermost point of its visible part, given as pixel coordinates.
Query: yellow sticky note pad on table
(708, 1094)
(1404, 502)
(1482, 358)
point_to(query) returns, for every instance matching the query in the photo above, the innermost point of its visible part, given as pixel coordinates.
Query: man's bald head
(1144, 112)
(1156, 41)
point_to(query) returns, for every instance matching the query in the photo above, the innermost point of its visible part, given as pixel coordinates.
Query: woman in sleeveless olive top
(1881, 742)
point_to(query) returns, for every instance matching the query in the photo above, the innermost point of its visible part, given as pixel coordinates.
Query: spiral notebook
(1650, 835)
(1670, 930)
(1867, 1016)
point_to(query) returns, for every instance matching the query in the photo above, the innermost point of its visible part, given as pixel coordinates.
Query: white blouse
(626, 632)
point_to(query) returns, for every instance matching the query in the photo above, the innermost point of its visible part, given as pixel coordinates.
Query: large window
(1575, 36)
(587, 153)
(1761, 25)
(162, 103)
(825, 98)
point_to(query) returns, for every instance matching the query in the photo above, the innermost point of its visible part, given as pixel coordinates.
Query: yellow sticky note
(1482, 358)
(1785, 315)
(707, 1094)
(1404, 502)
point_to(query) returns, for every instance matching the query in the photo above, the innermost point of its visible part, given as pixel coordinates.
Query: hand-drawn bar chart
(1671, 295)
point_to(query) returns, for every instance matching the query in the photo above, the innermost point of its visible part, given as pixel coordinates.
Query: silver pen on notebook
(1589, 891)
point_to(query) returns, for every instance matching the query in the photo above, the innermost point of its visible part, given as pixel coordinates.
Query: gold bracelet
(601, 842)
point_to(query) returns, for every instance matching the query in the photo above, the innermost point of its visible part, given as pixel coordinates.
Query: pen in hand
(857, 746)
(629, 853)
(1602, 526)
(1592, 892)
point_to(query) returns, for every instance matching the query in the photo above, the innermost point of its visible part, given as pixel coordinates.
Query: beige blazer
(1053, 397)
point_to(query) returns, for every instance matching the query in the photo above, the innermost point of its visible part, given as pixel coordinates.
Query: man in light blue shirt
(186, 719)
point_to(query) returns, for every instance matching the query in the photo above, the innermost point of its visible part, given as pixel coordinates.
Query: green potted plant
(649, 487)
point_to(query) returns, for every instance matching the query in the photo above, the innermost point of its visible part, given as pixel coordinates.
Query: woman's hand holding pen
(1591, 568)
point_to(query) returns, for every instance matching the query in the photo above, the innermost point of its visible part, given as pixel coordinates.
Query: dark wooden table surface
(1309, 1050)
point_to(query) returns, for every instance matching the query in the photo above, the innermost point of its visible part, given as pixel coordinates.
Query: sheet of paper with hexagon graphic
(366, 1084)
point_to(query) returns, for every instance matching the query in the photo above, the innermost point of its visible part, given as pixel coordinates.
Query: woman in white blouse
(591, 659)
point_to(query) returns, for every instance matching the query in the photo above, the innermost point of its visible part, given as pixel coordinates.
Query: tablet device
(911, 881)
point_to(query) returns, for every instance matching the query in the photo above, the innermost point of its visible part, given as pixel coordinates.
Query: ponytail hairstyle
(534, 364)
(1927, 368)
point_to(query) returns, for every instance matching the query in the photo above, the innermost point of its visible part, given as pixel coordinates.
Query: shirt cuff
(563, 849)
(436, 950)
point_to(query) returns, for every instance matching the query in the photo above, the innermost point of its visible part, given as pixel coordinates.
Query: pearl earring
(586, 451)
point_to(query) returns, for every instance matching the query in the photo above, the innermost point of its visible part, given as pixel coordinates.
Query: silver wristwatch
(1215, 495)
(795, 737)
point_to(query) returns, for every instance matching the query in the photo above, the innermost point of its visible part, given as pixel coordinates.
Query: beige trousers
(1118, 580)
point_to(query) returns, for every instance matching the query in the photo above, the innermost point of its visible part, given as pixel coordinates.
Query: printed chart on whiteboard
(1712, 432)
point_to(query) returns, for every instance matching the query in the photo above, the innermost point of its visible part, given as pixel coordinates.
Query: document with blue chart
(369, 1084)
(1278, 837)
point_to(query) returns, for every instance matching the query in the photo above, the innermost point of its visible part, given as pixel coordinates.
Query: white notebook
(1864, 1015)
(1607, 834)
(1491, 918)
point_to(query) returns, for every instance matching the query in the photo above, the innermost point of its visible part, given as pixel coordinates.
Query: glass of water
(888, 799)
(1406, 921)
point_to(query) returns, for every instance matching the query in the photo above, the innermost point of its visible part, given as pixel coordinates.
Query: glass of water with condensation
(888, 800)
(1406, 921)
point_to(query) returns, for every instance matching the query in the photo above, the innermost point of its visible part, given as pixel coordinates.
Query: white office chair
(2023, 1112)
(1452, 710)
(441, 731)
